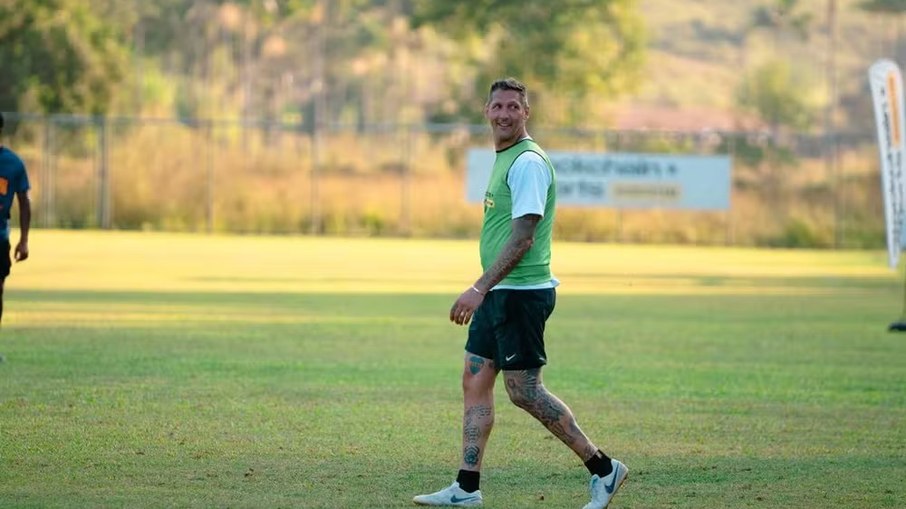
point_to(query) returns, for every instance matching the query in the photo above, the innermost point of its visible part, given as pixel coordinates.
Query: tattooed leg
(478, 412)
(528, 393)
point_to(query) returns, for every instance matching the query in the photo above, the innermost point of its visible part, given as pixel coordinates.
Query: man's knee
(478, 374)
(522, 390)
(519, 399)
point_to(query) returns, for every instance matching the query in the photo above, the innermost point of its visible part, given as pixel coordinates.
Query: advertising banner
(887, 96)
(624, 180)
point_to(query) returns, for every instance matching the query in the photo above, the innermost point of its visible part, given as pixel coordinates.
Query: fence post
(406, 184)
(47, 185)
(314, 175)
(209, 177)
(103, 212)
(731, 152)
(320, 112)
(618, 210)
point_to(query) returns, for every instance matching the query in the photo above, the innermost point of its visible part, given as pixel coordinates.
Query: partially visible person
(509, 304)
(13, 182)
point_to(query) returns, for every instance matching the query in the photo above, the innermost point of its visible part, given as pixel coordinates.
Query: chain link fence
(202, 175)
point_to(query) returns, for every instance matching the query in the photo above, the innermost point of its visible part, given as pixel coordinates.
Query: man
(509, 305)
(13, 181)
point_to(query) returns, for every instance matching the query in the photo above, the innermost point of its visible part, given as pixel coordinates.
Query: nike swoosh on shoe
(613, 482)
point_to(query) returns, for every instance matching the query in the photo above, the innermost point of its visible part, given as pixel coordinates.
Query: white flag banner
(887, 96)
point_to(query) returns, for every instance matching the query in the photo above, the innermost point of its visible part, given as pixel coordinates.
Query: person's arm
(21, 253)
(522, 237)
(529, 179)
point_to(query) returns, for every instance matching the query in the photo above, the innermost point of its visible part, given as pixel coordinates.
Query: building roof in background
(669, 118)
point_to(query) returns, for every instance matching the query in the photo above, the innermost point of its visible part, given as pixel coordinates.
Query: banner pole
(900, 325)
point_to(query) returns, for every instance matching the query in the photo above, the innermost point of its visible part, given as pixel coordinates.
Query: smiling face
(507, 112)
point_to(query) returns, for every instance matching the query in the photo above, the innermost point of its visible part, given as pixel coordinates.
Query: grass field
(155, 370)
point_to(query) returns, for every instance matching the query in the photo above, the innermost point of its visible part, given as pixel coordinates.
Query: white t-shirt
(529, 179)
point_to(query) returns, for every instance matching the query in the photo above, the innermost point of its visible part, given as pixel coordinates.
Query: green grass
(153, 370)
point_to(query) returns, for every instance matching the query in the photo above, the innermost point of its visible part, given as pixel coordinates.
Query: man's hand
(465, 306)
(21, 253)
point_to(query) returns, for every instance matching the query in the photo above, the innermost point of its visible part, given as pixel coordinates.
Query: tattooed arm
(522, 237)
(521, 240)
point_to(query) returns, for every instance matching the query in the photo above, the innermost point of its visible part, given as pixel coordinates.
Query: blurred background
(353, 117)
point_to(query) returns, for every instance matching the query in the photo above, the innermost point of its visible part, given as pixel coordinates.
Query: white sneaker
(603, 489)
(452, 496)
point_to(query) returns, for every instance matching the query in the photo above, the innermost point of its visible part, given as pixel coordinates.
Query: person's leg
(527, 391)
(527, 312)
(478, 378)
(2, 281)
(5, 265)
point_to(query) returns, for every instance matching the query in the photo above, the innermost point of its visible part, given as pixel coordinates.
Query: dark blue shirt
(13, 179)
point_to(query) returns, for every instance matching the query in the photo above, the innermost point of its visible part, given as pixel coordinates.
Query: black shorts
(508, 327)
(5, 261)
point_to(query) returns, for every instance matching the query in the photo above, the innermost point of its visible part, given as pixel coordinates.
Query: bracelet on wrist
(479, 292)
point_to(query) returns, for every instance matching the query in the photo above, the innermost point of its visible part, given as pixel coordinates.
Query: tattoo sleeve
(522, 237)
(527, 392)
(474, 426)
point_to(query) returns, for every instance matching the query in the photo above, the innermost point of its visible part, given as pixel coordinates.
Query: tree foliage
(783, 16)
(366, 61)
(572, 47)
(773, 92)
(58, 56)
(884, 6)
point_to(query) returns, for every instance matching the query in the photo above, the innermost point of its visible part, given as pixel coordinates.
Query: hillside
(699, 51)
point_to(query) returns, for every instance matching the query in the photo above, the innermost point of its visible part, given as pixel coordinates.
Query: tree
(884, 6)
(58, 56)
(574, 48)
(783, 16)
(892, 9)
(772, 91)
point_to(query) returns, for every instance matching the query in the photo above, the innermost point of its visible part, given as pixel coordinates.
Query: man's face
(507, 115)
